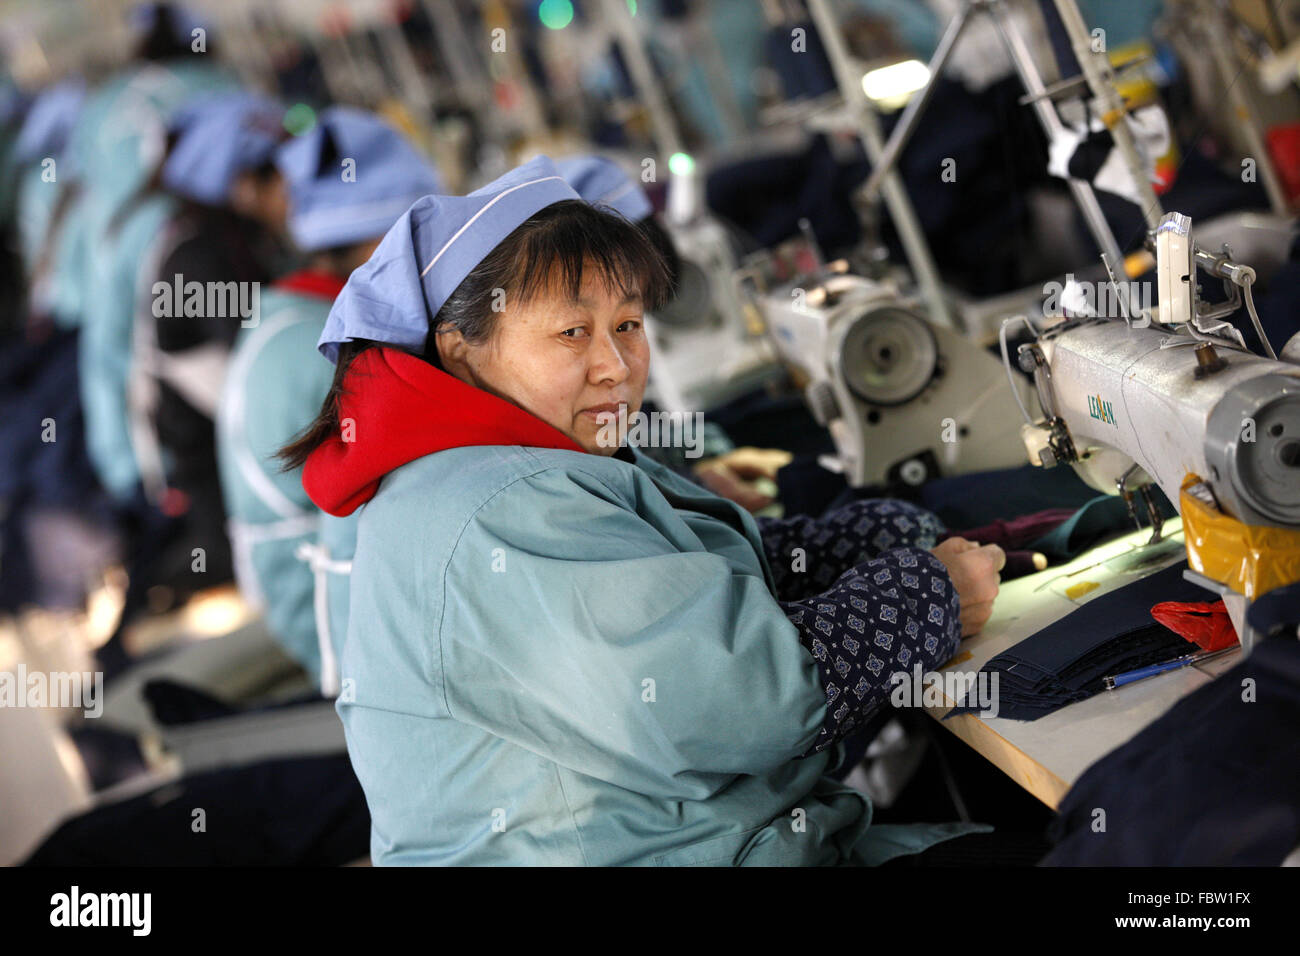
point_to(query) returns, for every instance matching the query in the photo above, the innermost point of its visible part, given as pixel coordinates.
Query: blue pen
(1128, 677)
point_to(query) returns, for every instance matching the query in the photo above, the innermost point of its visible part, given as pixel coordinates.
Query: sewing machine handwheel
(889, 356)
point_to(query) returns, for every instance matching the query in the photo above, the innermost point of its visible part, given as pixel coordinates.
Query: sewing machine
(707, 351)
(905, 400)
(1158, 394)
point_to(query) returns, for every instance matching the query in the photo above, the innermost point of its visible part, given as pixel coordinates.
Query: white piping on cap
(473, 218)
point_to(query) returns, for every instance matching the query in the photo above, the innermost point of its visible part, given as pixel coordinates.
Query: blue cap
(49, 121)
(430, 251)
(602, 182)
(332, 204)
(219, 137)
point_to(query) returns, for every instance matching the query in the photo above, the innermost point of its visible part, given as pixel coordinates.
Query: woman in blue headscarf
(558, 651)
(205, 232)
(276, 383)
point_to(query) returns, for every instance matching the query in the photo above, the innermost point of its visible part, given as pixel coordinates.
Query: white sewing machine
(904, 400)
(1155, 396)
(706, 351)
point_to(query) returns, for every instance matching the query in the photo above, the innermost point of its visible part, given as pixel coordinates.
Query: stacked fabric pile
(1068, 660)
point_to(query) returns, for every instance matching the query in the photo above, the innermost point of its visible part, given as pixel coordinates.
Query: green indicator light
(555, 14)
(681, 164)
(299, 118)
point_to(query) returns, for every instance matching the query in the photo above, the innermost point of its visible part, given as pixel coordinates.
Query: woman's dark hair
(549, 252)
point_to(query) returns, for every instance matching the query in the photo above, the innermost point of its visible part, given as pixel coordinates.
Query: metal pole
(359, 54)
(628, 38)
(908, 122)
(1213, 29)
(419, 94)
(895, 196)
(529, 110)
(1101, 80)
(468, 77)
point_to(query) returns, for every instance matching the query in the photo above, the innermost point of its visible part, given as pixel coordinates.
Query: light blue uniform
(35, 202)
(554, 657)
(598, 181)
(121, 282)
(336, 547)
(561, 658)
(277, 382)
(116, 143)
(42, 173)
(274, 386)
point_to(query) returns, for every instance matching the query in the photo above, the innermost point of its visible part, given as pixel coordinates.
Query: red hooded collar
(396, 408)
(311, 282)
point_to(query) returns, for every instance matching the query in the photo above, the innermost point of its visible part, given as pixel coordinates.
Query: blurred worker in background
(56, 528)
(116, 147)
(348, 180)
(205, 228)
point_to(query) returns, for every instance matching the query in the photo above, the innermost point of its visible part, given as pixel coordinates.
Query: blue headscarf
(602, 182)
(49, 121)
(334, 202)
(430, 251)
(219, 137)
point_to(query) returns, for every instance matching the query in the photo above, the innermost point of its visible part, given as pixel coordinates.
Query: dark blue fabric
(967, 501)
(885, 616)
(1278, 305)
(1066, 661)
(1201, 190)
(803, 73)
(1100, 518)
(1213, 782)
(307, 811)
(979, 233)
(1067, 65)
(38, 381)
(1277, 611)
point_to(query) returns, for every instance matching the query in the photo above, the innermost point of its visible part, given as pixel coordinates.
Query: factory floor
(43, 776)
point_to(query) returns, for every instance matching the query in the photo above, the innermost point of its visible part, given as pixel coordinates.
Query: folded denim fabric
(1068, 660)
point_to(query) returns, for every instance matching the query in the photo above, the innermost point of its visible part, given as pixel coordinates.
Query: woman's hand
(974, 571)
(734, 475)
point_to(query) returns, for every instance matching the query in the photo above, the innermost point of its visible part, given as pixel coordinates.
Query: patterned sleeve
(807, 554)
(885, 616)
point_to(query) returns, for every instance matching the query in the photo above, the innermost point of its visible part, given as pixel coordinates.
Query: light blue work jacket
(557, 658)
(274, 388)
